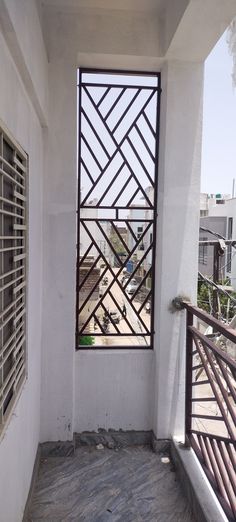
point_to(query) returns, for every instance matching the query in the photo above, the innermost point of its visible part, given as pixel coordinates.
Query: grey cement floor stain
(129, 485)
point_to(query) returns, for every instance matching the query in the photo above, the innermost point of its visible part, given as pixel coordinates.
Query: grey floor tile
(129, 485)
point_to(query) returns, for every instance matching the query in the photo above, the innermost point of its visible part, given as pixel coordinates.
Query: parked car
(132, 286)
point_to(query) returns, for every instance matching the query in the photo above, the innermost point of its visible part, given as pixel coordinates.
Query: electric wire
(204, 229)
(206, 279)
(211, 283)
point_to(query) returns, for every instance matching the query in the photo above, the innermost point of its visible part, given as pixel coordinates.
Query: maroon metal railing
(211, 403)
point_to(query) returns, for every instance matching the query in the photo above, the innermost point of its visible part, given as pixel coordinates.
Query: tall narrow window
(13, 174)
(117, 200)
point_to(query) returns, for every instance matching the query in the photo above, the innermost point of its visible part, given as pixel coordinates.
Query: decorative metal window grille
(118, 125)
(13, 183)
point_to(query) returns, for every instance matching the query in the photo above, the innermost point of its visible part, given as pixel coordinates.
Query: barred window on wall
(13, 197)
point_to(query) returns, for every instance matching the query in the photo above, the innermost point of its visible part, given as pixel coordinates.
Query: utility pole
(216, 277)
(219, 251)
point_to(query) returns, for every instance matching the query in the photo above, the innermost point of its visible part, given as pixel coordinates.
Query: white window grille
(13, 239)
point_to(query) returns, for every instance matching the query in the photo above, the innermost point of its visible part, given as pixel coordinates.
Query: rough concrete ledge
(57, 449)
(113, 439)
(32, 484)
(160, 446)
(201, 497)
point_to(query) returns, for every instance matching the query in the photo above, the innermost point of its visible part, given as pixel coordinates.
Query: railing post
(188, 378)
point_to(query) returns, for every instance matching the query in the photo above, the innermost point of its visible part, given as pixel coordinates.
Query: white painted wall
(69, 45)
(19, 443)
(22, 31)
(113, 390)
(113, 31)
(68, 407)
(210, 17)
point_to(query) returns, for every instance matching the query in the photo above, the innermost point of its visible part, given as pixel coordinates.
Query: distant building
(90, 216)
(142, 215)
(206, 252)
(209, 201)
(118, 239)
(220, 218)
(90, 289)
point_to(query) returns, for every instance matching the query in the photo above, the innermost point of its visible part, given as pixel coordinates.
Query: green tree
(205, 301)
(116, 243)
(86, 340)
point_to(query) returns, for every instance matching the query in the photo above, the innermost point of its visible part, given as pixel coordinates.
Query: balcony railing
(211, 402)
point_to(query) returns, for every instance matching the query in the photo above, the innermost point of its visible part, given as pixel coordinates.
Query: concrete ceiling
(128, 5)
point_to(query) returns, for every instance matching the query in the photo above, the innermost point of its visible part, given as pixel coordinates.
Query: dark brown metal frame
(216, 453)
(82, 204)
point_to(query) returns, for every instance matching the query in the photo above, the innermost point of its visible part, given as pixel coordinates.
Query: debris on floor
(99, 447)
(165, 460)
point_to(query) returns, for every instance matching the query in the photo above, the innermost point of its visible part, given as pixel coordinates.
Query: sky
(219, 122)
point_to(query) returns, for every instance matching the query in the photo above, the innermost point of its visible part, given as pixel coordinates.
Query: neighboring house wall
(102, 240)
(89, 286)
(136, 226)
(209, 201)
(149, 236)
(203, 204)
(84, 239)
(206, 254)
(228, 210)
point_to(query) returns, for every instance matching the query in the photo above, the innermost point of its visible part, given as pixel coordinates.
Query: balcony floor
(128, 485)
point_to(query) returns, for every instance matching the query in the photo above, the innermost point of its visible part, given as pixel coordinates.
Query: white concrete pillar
(58, 336)
(177, 234)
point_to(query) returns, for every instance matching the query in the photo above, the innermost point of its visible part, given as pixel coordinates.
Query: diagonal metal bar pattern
(95, 133)
(218, 391)
(110, 184)
(116, 233)
(119, 145)
(144, 142)
(115, 279)
(103, 96)
(114, 104)
(211, 412)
